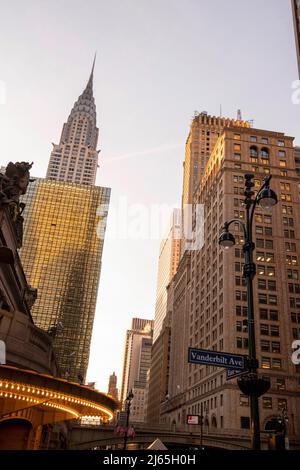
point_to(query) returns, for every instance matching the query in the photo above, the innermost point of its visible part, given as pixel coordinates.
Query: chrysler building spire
(75, 158)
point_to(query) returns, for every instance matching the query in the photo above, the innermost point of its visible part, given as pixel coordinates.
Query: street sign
(193, 419)
(232, 373)
(218, 359)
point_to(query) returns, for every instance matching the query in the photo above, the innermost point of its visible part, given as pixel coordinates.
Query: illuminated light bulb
(6, 385)
(18, 387)
(28, 389)
(12, 387)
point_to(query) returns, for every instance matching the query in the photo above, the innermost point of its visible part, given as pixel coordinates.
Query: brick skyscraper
(210, 308)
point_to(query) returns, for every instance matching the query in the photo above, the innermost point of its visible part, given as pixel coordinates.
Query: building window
(264, 140)
(273, 299)
(274, 330)
(262, 283)
(264, 329)
(263, 313)
(282, 404)
(237, 136)
(280, 384)
(275, 347)
(265, 346)
(265, 362)
(253, 138)
(280, 143)
(262, 298)
(264, 153)
(276, 363)
(267, 402)
(274, 315)
(244, 400)
(253, 152)
(245, 422)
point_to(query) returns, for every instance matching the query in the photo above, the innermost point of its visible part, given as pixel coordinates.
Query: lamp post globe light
(251, 384)
(127, 405)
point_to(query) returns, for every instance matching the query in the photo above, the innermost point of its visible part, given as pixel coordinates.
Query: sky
(158, 61)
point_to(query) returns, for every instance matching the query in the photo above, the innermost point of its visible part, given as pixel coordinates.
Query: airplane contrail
(159, 149)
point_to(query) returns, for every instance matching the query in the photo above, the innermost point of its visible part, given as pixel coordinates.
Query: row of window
(263, 140)
(262, 298)
(267, 402)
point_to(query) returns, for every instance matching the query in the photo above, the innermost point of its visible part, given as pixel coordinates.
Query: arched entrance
(14, 434)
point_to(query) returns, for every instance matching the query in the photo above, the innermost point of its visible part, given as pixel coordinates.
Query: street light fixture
(127, 404)
(251, 384)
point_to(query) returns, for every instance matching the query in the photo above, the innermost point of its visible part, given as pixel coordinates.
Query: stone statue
(13, 184)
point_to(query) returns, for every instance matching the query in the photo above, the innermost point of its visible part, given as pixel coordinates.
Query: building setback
(204, 133)
(212, 301)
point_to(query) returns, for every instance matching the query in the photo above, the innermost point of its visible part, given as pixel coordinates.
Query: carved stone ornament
(13, 184)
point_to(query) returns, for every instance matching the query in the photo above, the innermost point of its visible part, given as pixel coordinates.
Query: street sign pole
(201, 426)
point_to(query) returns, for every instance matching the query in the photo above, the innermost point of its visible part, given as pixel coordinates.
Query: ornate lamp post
(127, 404)
(251, 384)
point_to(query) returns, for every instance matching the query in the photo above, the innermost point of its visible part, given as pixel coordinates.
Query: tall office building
(210, 293)
(167, 265)
(137, 360)
(169, 256)
(296, 16)
(63, 238)
(62, 248)
(112, 386)
(75, 158)
(204, 133)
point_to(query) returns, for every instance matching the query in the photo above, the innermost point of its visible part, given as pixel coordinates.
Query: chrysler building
(75, 158)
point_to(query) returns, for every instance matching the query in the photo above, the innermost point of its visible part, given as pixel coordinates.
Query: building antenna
(220, 110)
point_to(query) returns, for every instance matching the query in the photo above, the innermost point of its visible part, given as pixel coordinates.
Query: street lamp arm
(266, 183)
(231, 221)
